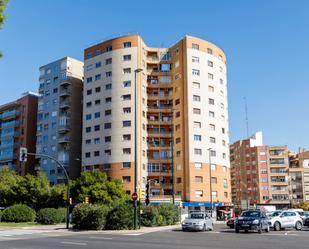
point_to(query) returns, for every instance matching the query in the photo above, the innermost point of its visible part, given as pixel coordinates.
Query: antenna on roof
(246, 117)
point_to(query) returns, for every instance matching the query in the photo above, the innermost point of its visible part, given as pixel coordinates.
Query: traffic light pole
(68, 183)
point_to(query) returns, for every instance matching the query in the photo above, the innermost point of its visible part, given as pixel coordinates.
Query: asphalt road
(221, 238)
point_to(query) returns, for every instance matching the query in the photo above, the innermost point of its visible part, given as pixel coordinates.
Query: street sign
(134, 196)
(23, 154)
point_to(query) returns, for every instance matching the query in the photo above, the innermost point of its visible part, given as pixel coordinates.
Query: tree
(3, 4)
(98, 189)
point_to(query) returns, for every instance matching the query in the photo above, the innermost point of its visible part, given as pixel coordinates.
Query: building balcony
(65, 81)
(159, 134)
(65, 92)
(13, 123)
(7, 157)
(159, 160)
(64, 128)
(63, 139)
(8, 145)
(9, 114)
(9, 134)
(64, 104)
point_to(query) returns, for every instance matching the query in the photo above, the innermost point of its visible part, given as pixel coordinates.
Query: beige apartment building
(259, 173)
(182, 116)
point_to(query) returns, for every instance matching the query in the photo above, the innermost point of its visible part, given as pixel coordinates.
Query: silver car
(197, 222)
(285, 219)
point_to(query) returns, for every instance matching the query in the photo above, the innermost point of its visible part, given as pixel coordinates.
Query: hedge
(18, 213)
(120, 218)
(89, 217)
(50, 216)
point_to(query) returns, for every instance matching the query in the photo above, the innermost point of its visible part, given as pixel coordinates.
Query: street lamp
(210, 182)
(136, 71)
(82, 164)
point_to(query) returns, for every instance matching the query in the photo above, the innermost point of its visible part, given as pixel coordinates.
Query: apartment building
(299, 176)
(18, 129)
(182, 116)
(259, 173)
(60, 117)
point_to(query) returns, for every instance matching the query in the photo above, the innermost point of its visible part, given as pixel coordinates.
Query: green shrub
(0, 215)
(150, 216)
(18, 213)
(170, 213)
(63, 214)
(50, 216)
(89, 217)
(121, 217)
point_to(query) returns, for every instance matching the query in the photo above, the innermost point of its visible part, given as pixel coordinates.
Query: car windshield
(276, 213)
(250, 214)
(306, 214)
(197, 216)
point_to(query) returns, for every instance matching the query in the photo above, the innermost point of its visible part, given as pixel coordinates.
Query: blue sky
(266, 43)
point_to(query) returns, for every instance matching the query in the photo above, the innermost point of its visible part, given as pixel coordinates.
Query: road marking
(133, 234)
(73, 243)
(99, 238)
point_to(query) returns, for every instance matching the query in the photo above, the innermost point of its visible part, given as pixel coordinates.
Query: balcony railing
(9, 114)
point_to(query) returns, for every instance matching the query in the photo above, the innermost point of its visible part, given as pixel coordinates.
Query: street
(220, 238)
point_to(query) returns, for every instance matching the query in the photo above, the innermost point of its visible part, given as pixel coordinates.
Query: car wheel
(298, 225)
(183, 230)
(236, 230)
(277, 226)
(246, 231)
(267, 229)
(211, 228)
(260, 229)
(204, 228)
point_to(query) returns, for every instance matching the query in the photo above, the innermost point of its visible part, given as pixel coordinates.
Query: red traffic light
(134, 196)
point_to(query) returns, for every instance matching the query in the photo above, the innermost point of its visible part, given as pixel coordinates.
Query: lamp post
(136, 71)
(82, 164)
(210, 182)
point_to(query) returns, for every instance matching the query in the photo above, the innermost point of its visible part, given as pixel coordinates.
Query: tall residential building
(299, 176)
(18, 129)
(259, 173)
(182, 116)
(60, 117)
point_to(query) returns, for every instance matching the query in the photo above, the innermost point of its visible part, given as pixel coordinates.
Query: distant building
(18, 129)
(182, 117)
(299, 176)
(259, 173)
(60, 117)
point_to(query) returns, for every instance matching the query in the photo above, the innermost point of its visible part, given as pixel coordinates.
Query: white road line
(73, 243)
(133, 234)
(100, 238)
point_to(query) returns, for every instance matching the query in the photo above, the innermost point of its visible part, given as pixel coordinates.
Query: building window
(223, 131)
(127, 110)
(197, 138)
(210, 76)
(96, 127)
(127, 70)
(211, 114)
(126, 137)
(88, 129)
(196, 98)
(178, 140)
(107, 152)
(126, 97)
(197, 151)
(211, 89)
(225, 184)
(224, 168)
(213, 167)
(178, 153)
(97, 102)
(212, 140)
(196, 111)
(97, 140)
(225, 194)
(108, 61)
(210, 64)
(89, 91)
(127, 83)
(108, 112)
(212, 127)
(108, 74)
(107, 126)
(214, 194)
(127, 44)
(126, 165)
(198, 179)
(126, 123)
(197, 124)
(209, 51)
(178, 180)
(107, 139)
(97, 89)
(195, 59)
(96, 153)
(198, 193)
(107, 166)
(126, 151)
(108, 49)
(127, 57)
(87, 155)
(88, 117)
(213, 153)
(195, 46)
(97, 115)
(98, 77)
(88, 104)
(89, 79)
(195, 72)
(98, 64)
(196, 85)
(214, 180)
(211, 101)
(198, 165)
(108, 86)
(88, 141)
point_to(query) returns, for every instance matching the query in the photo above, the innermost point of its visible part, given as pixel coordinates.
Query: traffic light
(87, 199)
(71, 201)
(141, 194)
(147, 201)
(23, 154)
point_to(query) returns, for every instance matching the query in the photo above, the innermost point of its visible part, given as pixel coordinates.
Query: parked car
(254, 220)
(306, 222)
(286, 219)
(197, 222)
(230, 222)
